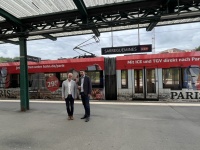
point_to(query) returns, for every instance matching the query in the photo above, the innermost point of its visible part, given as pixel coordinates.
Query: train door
(145, 84)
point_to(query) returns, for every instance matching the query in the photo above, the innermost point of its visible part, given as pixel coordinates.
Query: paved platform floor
(113, 126)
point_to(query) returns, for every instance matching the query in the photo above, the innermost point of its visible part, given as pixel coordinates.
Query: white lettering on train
(130, 62)
(195, 59)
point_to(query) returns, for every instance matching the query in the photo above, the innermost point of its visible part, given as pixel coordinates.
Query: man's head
(70, 75)
(82, 73)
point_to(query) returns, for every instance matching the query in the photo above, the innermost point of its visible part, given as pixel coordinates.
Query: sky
(182, 36)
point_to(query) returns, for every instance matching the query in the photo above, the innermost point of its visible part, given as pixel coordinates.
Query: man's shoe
(69, 118)
(83, 117)
(72, 118)
(87, 119)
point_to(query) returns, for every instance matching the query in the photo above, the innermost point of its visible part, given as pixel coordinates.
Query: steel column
(24, 88)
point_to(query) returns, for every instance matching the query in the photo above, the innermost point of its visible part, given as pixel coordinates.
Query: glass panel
(124, 78)
(63, 76)
(138, 76)
(38, 81)
(191, 78)
(95, 77)
(171, 78)
(14, 81)
(47, 75)
(151, 86)
(176, 75)
(167, 77)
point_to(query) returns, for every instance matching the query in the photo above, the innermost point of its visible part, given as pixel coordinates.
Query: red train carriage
(46, 77)
(171, 76)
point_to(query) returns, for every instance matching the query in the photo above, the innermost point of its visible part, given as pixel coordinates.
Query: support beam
(170, 5)
(24, 92)
(17, 22)
(12, 19)
(96, 32)
(48, 36)
(81, 7)
(151, 26)
(11, 42)
(83, 10)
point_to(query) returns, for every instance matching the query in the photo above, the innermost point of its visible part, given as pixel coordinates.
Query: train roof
(56, 65)
(165, 60)
(161, 55)
(69, 60)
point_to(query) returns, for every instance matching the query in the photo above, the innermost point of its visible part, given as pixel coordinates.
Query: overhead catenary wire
(93, 37)
(79, 47)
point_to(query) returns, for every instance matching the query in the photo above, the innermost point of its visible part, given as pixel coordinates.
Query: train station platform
(113, 126)
(113, 102)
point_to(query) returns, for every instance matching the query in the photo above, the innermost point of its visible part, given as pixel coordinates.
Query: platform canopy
(39, 19)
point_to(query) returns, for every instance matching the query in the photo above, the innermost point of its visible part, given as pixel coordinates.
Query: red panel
(168, 60)
(56, 65)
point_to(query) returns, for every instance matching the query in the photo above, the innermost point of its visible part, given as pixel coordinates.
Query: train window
(96, 78)
(124, 78)
(171, 78)
(138, 76)
(151, 86)
(63, 76)
(14, 81)
(30, 81)
(191, 77)
(38, 81)
(47, 75)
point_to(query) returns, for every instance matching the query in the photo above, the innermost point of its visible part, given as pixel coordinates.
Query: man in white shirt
(69, 90)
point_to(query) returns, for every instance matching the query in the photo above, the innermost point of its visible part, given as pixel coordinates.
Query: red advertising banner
(56, 65)
(158, 60)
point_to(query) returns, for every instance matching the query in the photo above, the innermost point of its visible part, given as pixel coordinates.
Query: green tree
(16, 59)
(198, 48)
(7, 59)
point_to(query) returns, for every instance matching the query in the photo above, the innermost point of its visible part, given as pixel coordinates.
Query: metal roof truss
(126, 15)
